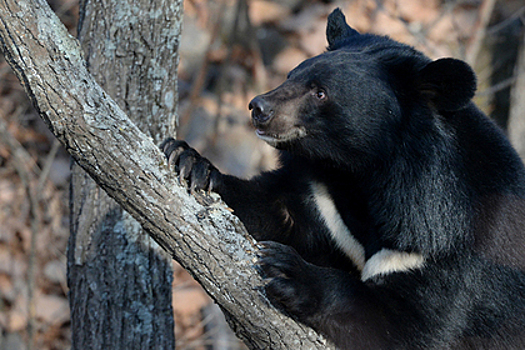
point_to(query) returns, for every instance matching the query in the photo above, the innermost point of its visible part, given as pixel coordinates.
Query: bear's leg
(331, 301)
(256, 202)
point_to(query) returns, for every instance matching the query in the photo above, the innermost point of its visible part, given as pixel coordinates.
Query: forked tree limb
(202, 235)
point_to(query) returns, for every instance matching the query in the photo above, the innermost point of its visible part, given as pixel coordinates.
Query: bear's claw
(195, 171)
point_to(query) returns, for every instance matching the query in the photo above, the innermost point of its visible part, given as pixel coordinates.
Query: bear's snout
(262, 111)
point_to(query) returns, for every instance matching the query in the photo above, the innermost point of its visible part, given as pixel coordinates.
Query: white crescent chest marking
(387, 261)
(338, 230)
(381, 263)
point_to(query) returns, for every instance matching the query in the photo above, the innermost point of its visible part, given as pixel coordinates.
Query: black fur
(409, 166)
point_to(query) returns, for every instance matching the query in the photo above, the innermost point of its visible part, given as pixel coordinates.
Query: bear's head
(359, 96)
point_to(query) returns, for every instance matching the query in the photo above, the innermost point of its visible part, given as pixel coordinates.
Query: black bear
(396, 219)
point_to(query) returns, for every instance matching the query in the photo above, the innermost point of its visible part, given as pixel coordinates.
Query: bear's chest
(382, 261)
(332, 219)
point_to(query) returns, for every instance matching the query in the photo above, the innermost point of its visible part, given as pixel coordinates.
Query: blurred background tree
(119, 279)
(231, 50)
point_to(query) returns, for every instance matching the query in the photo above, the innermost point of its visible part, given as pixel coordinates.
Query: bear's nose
(261, 110)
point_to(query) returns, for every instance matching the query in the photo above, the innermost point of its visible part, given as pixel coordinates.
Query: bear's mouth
(273, 139)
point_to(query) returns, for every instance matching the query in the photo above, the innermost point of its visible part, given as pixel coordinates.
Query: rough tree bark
(119, 279)
(199, 232)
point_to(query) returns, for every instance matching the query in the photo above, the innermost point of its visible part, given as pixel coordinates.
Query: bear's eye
(320, 94)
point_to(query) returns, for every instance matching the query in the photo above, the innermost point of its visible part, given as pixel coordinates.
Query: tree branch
(200, 233)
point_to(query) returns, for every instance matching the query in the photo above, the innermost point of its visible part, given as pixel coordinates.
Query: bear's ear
(337, 31)
(448, 83)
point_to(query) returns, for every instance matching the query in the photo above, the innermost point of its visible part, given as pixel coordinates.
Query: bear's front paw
(292, 284)
(194, 170)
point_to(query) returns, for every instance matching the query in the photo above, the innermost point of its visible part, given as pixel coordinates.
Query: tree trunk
(516, 127)
(201, 233)
(119, 279)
